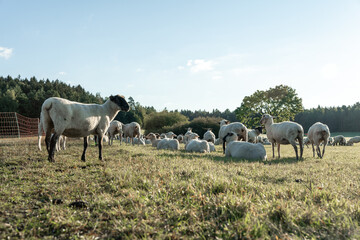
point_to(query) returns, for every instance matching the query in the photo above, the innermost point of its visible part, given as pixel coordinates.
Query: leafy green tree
(281, 101)
(156, 122)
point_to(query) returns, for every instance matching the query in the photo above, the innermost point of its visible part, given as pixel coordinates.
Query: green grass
(140, 192)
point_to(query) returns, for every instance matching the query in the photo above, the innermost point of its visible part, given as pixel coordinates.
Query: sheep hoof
(51, 159)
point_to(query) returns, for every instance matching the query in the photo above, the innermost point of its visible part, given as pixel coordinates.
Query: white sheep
(153, 138)
(209, 136)
(115, 127)
(196, 145)
(283, 133)
(73, 119)
(353, 140)
(317, 134)
(253, 134)
(139, 141)
(132, 130)
(339, 139)
(186, 135)
(170, 135)
(212, 147)
(168, 143)
(237, 127)
(243, 150)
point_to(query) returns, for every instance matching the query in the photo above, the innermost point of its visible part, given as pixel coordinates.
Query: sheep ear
(112, 98)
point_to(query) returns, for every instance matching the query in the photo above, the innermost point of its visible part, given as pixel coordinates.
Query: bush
(157, 122)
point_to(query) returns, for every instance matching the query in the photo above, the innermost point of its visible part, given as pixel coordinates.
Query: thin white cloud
(200, 65)
(5, 52)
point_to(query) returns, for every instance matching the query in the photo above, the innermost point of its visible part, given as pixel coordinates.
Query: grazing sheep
(196, 145)
(243, 150)
(115, 127)
(283, 133)
(306, 141)
(237, 127)
(339, 139)
(318, 133)
(209, 136)
(154, 140)
(168, 143)
(330, 141)
(73, 119)
(353, 140)
(253, 134)
(132, 130)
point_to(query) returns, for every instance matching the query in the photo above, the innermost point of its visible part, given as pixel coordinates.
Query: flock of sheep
(61, 118)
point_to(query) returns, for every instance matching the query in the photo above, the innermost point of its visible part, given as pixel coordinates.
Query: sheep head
(121, 102)
(266, 118)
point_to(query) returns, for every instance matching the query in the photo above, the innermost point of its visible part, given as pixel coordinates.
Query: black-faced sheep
(73, 119)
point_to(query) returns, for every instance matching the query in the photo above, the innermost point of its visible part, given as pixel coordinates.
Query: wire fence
(14, 125)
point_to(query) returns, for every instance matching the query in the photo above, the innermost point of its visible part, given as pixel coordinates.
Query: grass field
(140, 192)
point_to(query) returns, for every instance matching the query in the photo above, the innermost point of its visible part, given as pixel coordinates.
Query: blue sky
(187, 54)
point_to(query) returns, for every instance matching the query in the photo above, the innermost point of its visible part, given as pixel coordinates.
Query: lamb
(339, 139)
(168, 143)
(353, 140)
(243, 150)
(196, 145)
(73, 119)
(283, 133)
(237, 127)
(318, 133)
(132, 130)
(253, 134)
(209, 136)
(115, 127)
(154, 140)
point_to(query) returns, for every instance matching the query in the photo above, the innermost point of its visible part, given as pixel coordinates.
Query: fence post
(17, 124)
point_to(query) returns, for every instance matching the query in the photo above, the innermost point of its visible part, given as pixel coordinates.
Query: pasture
(140, 192)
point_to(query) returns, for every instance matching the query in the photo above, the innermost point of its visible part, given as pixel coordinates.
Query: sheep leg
(273, 150)
(100, 143)
(53, 142)
(301, 145)
(278, 148)
(323, 152)
(318, 151)
(85, 147)
(47, 141)
(313, 149)
(296, 150)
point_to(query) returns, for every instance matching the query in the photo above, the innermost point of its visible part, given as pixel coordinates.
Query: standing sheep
(237, 127)
(115, 127)
(73, 119)
(283, 133)
(243, 150)
(339, 139)
(318, 133)
(132, 130)
(253, 134)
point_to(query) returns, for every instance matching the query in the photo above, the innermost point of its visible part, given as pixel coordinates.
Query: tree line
(26, 96)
